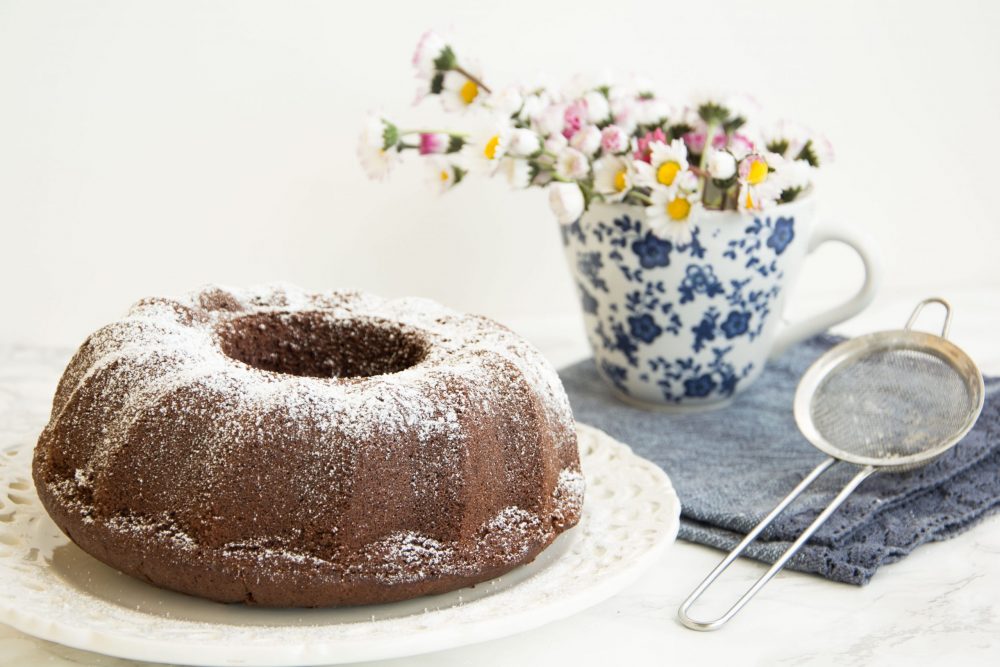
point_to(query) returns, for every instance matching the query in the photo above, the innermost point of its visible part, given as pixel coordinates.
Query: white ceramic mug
(688, 326)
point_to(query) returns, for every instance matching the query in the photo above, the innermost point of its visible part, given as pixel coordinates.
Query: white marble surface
(940, 605)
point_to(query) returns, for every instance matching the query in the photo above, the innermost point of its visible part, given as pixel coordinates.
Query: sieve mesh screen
(891, 403)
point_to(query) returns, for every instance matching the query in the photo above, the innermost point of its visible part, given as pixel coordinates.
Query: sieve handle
(693, 624)
(867, 250)
(920, 306)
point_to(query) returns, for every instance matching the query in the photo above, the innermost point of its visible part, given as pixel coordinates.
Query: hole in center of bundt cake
(313, 344)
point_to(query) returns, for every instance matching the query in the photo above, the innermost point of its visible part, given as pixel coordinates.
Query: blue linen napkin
(730, 467)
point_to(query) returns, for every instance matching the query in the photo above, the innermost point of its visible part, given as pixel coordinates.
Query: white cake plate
(51, 589)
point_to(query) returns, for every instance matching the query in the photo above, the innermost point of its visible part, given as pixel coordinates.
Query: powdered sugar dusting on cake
(568, 496)
(157, 365)
(154, 341)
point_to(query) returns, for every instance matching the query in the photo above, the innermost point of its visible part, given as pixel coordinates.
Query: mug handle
(866, 248)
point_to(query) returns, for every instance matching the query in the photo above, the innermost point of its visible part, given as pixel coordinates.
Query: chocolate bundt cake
(280, 448)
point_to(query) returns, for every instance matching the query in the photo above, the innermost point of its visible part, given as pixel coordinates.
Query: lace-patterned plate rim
(52, 590)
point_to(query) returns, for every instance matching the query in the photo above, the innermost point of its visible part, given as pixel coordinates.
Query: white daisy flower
(442, 175)
(631, 87)
(740, 145)
(785, 138)
(587, 140)
(721, 165)
(459, 92)
(652, 111)
(523, 142)
(625, 113)
(612, 178)
(758, 189)
(580, 84)
(572, 165)
(814, 149)
(614, 140)
(790, 176)
(689, 116)
(428, 49)
(667, 162)
(793, 173)
(822, 149)
(377, 147)
(550, 120)
(734, 105)
(506, 102)
(598, 109)
(577, 85)
(669, 214)
(688, 184)
(555, 143)
(517, 172)
(566, 201)
(484, 149)
(533, 105)
(797, 142)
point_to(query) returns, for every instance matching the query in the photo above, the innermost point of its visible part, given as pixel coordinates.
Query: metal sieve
(889, 401)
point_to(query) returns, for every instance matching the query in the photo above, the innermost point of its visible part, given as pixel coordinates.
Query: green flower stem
(461, 135)
(641, 197)
(475, 80)
(709, 137)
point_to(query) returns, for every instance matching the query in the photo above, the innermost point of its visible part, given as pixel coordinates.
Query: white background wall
(148, 148)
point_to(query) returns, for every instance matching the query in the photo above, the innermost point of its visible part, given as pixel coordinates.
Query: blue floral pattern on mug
(652, 252)
(782, 235)
(678, 323)
(699, 280)
(644, 327)
(737, 323)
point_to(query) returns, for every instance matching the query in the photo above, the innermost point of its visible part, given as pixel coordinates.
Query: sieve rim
(896, 339)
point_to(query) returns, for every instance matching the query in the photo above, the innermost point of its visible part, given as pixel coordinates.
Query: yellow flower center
(620, 182)
(490, 150)
(758, 172)
(468, 92)
(444, 175)
(679, 209)
(667, 172)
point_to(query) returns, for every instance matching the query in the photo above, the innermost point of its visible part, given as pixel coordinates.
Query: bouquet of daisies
(601, 141)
